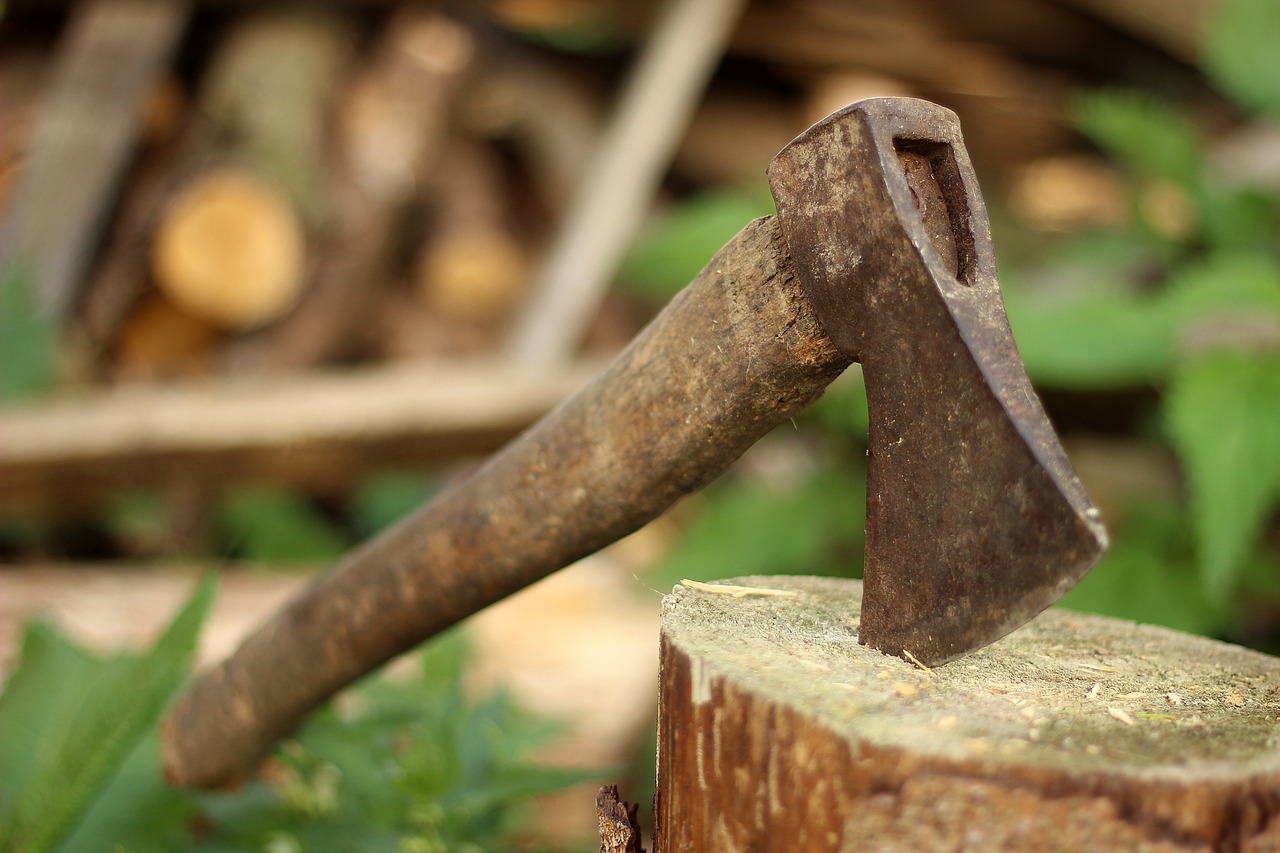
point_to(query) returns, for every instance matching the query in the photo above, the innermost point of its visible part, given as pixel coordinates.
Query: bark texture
(778, 731)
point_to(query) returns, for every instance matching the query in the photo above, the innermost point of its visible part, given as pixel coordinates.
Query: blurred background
(273, 275)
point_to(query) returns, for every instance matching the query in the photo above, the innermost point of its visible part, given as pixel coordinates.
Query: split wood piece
(778, 731)
(736, 353)
(471, 268)
(619, 828)
(121, 277)
(111, 59)
(269, 92)
(160, 341)
(320, 431)
(619, 183)
(231, 244)
(24, 69)
(392, 119)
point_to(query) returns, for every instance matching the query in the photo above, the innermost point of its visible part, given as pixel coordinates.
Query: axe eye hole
(938, 192)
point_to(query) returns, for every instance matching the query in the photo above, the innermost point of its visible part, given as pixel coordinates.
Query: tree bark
(778, 731)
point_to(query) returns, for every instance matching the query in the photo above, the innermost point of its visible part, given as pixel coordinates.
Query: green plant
(68, 720)
(1189, 305)
(28, 336)
(400, 764)
(404, 765)
(274, 525)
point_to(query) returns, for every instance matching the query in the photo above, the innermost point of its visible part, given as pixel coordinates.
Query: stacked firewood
(260, 191)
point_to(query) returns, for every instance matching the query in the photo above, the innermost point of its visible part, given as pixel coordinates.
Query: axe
(880, 253)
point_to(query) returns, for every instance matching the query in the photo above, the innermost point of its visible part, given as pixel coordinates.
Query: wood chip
(1122, 715)
(1097, 667)
(1235, 699)
(737, 591)
(917, 662)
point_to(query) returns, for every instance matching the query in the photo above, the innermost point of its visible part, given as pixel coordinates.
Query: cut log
(160, 341)
(472, 268)
(778, 731)
(230, 247)
(230, 250)
(390, 121)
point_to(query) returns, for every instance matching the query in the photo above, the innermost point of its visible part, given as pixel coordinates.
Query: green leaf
(1223, 284)
(272, 526)
(1147, 136)
(138, 810)
(813, 527)
(674, 249)
(1149, 575)
(69, 720)
(1240, 52)
(28, 338)
(1223, 416)
(1117, 338)
(384, 499)
(407, 760)
(1097, 341)
(1239, 218)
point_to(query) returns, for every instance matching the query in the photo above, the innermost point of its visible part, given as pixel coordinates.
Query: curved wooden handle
(736, 353)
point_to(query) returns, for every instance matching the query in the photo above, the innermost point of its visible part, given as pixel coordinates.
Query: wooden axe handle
(736, 353)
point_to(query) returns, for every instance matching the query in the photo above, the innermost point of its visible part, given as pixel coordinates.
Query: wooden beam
(315, 431)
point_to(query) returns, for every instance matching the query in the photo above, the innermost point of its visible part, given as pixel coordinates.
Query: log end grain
(230, 249)
(778, 731)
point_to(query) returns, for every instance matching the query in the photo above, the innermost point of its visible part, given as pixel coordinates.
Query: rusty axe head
(975, 519)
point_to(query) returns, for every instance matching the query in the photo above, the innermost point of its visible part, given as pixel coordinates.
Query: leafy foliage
(675, 249)
(1195, 315)
(1223, 413)
(1241, 55)
(386, 498)
(403, 764)
(28, 337)
(410, 765)
(811, 527)
(89, 714)
(1150, 575)
(1148, 137)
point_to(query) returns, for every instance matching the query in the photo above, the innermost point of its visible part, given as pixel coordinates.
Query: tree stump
(779, 732)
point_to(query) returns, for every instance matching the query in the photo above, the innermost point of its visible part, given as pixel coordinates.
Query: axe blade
(976, 520)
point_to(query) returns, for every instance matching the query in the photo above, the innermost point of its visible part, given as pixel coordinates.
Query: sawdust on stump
(778, 731)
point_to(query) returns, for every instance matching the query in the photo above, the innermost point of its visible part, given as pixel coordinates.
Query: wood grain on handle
(736, 353)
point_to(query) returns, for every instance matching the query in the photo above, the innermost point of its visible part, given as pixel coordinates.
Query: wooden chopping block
(778, 731)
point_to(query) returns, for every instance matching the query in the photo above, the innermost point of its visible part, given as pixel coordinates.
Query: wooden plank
(111, 57)
(318, 431)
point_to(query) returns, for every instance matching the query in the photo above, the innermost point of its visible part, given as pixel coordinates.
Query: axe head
(975, 519)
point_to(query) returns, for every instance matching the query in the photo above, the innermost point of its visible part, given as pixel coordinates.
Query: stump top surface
(1068, 691)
